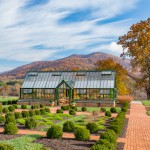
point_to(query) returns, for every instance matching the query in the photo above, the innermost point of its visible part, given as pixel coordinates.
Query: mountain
(82, 62)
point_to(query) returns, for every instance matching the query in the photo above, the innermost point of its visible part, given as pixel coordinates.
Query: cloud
(23, 27)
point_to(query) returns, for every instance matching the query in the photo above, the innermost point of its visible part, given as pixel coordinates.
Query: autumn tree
(136, 45)
(121, 74)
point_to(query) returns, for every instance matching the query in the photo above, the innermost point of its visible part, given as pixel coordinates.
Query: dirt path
(138, 130)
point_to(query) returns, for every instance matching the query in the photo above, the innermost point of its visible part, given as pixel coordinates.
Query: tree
(136, 45)
(121, 74)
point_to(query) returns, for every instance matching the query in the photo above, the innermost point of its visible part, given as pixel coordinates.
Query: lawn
(24, 142)
(146, 102)
(8, 98)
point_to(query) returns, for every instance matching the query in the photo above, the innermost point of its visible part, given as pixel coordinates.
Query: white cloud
(22, 28)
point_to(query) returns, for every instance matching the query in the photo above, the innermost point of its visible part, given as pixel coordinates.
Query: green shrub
(82, 134)
(92, 127)
(64, 107)
(108, 113)
(99, 147)
(24, 106)
(4, 146)
(1, 108)
(68, 126)
(84, 109)
(5, 110)
(35, 106)
(10, 128)
(55, 132)
(74, 107)
(11, 108)
(18, 115)
(9, 102)
(15, 105)
(124, 109)
(103, 109)
(2, 119)
(37, 112)
(113, 110)
(59, 111)
(47, 110)
(14, 102)
(10, 119)
(45, 148)
(42, 111)
(31, 113)
(9, 115)
(30, 123)
(110, 136)
(42, 105)
(25, 114)
(72, 112)
(4, 102)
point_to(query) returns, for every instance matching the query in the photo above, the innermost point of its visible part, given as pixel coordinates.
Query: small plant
(108, 113)
(59, 111)
(82, 134)
(18, 115)
(47, 110)
(74, 107)
(84, 109)
(10, 119)
(42, 111)
(68, 126)
(24, 106)
(35, 107)
(4, 102)
(11, 108)
(30, 123)
(37, 112)
(4, 146)
(9, 115)
(72, 112)
(64, 107)
(55, 132)
(103, 109)
(15, 105)
(92, 127)
(10, 128)
(5, 110)
(25, 114)
(2, 119)
(42, 105)
(113, 110)
(31, 113)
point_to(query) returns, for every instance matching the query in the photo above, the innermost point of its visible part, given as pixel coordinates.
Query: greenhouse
(65, 86)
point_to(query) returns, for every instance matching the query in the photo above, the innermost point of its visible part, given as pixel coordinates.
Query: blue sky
(35, 30)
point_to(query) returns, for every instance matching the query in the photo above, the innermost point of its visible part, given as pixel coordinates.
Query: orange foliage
(122, 99)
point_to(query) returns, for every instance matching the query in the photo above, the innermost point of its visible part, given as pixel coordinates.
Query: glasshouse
(66, 86)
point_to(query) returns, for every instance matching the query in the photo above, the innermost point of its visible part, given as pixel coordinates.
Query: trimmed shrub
(106, 143)
(10, 119)
(9, 115)
(108, 113)
(9, 102)
(113, 110)
(4, 146)
(42, 111)
(64, 107)
(82, 134)
(24, 106)
(30, 123)
(4, 102)
(59, 111)
(25, 114)
(42, 105)
(103, 109)
(84, 109)
(37, 112)
(35, 107)
(44, 148)
(47, 110)
(2, 119)
(18, 115)
(99, 147)
(10, 128)
(11, 108)
(15, 105)
(68, 126)
(92, 127)
(14, 102)
(5, 110)
(31, 113)
(74, 107)
(55, 132)
(1, 108)
(72, 112)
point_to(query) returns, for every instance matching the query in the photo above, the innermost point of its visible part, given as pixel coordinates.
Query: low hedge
(84, 109)
(18, 115)
(68, 126)
(4, 146)
(92, 127)
(72, 112)
(10, 128)
(59, 111)
(11, 108)
(55, 132)
(30, 123)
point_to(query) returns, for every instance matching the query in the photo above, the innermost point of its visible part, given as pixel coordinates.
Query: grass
(146, 102)
(8, 98)
(24, 142)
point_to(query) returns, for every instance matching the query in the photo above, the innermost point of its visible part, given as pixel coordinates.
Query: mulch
(8, 137)
(65, 144)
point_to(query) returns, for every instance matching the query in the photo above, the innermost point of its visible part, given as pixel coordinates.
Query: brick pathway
(138, 130)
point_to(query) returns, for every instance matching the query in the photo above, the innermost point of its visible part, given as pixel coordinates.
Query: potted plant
(51, 103)
(73, 103)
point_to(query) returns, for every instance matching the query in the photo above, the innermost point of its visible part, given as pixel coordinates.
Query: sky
(37, 30)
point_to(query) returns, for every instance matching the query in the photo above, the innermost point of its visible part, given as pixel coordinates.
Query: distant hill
(83, 62)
